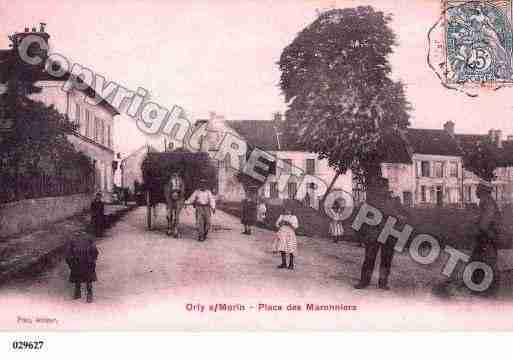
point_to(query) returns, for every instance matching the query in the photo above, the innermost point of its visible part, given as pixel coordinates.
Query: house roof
(506, 158)
(432, 142)
(264, 135)
(399, 145)
(396, 148)
(504, 153)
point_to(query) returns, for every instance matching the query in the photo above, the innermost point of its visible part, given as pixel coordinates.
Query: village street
(146, 280)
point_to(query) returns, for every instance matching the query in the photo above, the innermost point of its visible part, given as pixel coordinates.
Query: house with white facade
(131, 173)
(94, 134)
(434, 173)
(267, 135)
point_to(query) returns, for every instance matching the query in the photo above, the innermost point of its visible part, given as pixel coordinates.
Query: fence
(12, 190)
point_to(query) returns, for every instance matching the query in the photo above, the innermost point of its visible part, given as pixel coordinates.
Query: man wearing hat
(485, 249)
(97, 214)
(379, 197)
(205, 204)
(249, 210)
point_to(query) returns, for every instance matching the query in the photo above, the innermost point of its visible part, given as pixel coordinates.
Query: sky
(221, 56)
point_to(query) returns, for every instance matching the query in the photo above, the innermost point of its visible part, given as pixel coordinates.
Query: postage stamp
(473, 43)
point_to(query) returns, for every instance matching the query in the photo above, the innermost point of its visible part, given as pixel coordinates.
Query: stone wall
(30, 214)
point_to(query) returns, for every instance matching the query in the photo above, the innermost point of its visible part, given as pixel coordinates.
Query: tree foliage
(482, 159)
(336, 81)
(38, 144)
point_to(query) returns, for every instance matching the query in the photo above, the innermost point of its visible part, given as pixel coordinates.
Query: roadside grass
(451, 226)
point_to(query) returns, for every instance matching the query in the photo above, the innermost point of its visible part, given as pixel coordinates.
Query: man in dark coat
(485, 249)
(379, 198)
(97, 214)
(249, 212)
(126, 194)
(81, 256)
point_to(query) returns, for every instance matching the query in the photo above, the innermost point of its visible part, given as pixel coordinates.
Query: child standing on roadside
(287, 224)
(336, 226)
(81, 256)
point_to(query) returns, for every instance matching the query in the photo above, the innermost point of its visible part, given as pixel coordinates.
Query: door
(439, 196)
(408, 199)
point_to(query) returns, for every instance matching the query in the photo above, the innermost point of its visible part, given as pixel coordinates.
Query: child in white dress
(286, 243)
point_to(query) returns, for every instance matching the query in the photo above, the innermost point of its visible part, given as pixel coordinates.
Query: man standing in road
(249, 211)
(379, 198)
(98, 214)
(485, 249)
(205, 204)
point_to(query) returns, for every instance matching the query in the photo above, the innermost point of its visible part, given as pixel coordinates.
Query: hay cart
(157, 168)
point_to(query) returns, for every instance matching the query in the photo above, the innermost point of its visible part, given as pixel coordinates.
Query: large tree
(482, 158)
(34, 138)
(38, 146)
(341, 99)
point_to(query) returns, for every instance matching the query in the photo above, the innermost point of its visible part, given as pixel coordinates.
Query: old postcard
(256, 166)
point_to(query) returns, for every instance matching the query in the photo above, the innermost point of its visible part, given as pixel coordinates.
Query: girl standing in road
(336, 226)
(287, 224)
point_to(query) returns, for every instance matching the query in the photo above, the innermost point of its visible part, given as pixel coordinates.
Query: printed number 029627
(27, 345)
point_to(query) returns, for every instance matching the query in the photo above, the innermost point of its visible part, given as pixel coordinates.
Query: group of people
(379, 196)
(81, 253)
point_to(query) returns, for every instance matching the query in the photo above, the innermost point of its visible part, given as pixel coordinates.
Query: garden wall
(30, 214)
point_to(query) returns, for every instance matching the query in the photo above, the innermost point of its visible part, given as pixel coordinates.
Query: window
(424, 166)
(467, 193)
(96, 128)
(77, 116)
(292, 190)
(242, 162)
(227, 162)
(439, 169)
(102, 132)
(87, 123)
(273, 189)
(407, 199)
(109, 140)
(310, 166)
(453, 169)
(287, 167)
(423, 194)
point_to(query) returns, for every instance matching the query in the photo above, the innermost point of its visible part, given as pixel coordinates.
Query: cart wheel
(148, 210)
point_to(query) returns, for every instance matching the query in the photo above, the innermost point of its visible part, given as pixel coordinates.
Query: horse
(174, 193)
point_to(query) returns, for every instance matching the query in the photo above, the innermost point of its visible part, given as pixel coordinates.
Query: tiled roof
(506, 158)
(504, 153)
(396, 148)
(399, 145)
(432, 142)
(265, 135)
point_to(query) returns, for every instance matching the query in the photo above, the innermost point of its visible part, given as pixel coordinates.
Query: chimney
(449, 127)
(496, 137)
